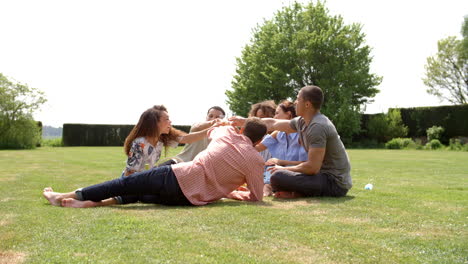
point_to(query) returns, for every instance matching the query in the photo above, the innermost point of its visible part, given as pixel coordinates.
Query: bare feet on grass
(287, 195)
(70, 202)
(54, 198)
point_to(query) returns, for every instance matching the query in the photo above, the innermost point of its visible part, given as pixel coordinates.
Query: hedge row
(99, 135)
(453, 118)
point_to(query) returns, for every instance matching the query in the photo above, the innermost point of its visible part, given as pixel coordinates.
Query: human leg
(56, 198)
(291, 185)
(300, 184)
(158, 185)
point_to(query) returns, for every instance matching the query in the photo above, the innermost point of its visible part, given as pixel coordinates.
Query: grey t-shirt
(321, 133)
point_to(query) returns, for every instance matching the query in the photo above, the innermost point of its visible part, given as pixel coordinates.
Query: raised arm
(203, 125)
(199, 135)
(271, 123)
(193, 136)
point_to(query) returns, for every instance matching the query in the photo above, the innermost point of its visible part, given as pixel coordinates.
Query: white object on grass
(369, 186)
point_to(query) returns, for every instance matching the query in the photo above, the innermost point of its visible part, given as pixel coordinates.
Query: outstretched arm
(271, 123)
(199, 135)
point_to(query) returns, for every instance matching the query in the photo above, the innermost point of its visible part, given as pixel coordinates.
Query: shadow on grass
(149, 206)
(328, 200)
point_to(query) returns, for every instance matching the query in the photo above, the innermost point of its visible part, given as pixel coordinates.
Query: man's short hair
(254, 128)
(216, 108)
(313, 94)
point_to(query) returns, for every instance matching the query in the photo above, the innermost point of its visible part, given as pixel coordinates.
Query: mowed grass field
(416, 213)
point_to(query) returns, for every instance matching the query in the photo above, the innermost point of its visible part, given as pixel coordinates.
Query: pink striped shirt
(229, 161)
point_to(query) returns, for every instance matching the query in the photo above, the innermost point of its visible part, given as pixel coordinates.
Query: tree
(304, 45)
(17, 104)
(447, 71)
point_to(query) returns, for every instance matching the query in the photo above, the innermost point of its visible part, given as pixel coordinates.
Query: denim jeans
(158, 185)
(320, 184)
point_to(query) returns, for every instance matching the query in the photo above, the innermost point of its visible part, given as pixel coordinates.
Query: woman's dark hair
(288, 106)
(173, 132)
(147, 127)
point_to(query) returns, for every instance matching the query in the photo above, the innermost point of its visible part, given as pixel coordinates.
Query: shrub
(434, 132)
(384, 127)
(456, 144)
(434, 144)
(400, 143)
(52, 142)
(23, 133)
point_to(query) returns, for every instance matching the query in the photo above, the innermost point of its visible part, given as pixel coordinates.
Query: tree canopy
(17, 104)
(304, 45)
(447, 72)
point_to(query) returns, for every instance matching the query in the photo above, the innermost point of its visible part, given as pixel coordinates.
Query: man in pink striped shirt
(229, 161)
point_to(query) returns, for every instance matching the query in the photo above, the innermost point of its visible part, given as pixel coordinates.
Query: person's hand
(219, 122)
(237, 120)
(273, 169)
(272, 161)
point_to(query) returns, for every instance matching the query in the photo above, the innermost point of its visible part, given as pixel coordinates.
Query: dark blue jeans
(320, 184)
(158, 185)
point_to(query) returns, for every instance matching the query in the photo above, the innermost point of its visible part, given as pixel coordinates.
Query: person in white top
(214, 114)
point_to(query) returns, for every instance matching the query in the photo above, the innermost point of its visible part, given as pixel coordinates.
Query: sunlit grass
(416, 213)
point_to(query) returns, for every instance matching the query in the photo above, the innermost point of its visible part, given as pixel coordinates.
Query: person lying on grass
(145, 143)
(327, 169)
(229, 161)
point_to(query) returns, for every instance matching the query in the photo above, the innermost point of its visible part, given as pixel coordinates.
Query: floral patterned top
(142, 152)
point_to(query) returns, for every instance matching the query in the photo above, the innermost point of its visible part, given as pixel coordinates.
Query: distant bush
(434, 144)
(52, 142)
(400, 143)
(20, 134)
(456, 144)
(384, 127)
(434, 132)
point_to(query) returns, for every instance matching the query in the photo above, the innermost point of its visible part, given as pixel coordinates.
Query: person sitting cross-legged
(327, 169)
(229, 161)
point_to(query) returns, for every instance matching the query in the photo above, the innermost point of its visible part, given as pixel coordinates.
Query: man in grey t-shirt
(327, 171)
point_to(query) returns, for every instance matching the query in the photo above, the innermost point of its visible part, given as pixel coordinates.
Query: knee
(276, 178)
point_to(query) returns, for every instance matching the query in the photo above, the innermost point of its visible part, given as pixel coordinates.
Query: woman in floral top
(145, 142)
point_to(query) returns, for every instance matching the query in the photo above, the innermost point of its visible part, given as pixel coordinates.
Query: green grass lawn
(416, 213)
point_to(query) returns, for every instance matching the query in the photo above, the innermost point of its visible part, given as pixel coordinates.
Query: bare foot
(70, 202)
(54, 198)
(287, 195)
(267, 191)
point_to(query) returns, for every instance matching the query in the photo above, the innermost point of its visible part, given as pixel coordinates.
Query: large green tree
(304, 45)
(447, 71)
(17, 104)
